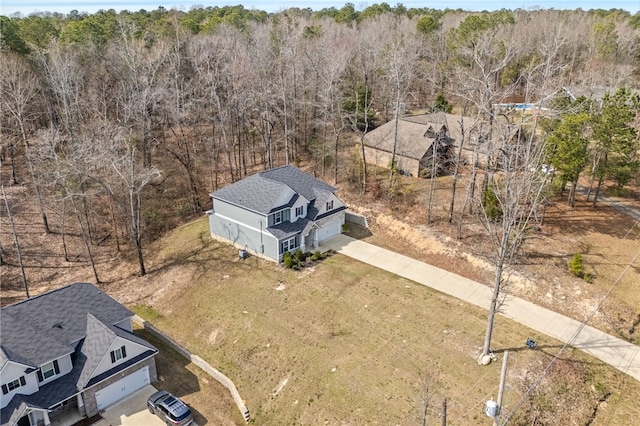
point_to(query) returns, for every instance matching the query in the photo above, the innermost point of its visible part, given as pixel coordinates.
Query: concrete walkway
(616, 352)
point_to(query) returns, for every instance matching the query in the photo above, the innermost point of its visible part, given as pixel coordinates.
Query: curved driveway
(618, 353)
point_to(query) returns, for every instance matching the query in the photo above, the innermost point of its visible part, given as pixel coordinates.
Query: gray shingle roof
(288, 229)
(95, 345)
(261, 191)
(412, 139)
(47, 326)
(77, 318)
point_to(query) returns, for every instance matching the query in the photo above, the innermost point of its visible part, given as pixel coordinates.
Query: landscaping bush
(288, 260)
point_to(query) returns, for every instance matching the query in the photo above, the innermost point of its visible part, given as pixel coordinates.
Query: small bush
(345, 228)
(316, 256)
(491, 205)
(288, 260)
(299, 255)
(576, 265)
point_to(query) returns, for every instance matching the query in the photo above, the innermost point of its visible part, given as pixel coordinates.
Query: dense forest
(126, 121)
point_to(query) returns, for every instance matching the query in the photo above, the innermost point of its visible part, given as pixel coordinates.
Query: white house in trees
(276, 211)
(69, 349)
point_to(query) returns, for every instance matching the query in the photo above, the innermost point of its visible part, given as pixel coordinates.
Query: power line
(570, 340)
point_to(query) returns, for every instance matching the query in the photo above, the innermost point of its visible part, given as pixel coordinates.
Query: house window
(11, 386)
(299, 211)
(288, 245)
(118, 354)
(48, 370)
(277, 218)
(330, 205)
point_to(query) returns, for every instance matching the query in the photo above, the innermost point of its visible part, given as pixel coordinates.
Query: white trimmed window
(48, 370)
(277, 217)
(11, 386)
(288, 245)
(299, 211)
(329, 205)
(118, 354)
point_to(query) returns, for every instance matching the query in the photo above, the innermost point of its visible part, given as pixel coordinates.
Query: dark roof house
(276, 211)
(73, 346)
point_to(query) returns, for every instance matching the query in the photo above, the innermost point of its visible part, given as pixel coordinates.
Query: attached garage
(122, 388)
(329, 230)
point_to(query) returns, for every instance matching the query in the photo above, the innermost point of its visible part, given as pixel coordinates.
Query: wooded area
(124, 122)
(118, 125)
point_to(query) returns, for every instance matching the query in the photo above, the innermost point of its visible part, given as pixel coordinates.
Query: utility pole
(503, 376)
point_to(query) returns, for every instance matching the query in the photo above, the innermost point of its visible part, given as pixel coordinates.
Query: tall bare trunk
(87, 242)
(17, 243)
(456, 167)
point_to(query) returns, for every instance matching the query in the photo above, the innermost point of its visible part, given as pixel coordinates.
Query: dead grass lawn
(345, 343)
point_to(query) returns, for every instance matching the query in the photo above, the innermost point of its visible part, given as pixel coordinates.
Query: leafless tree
(124, 176)
(399, 60)
(137, 69)
(364, 65)
(19, 90)
(16, 241)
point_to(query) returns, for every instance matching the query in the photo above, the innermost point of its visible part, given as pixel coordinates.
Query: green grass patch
(146, 312)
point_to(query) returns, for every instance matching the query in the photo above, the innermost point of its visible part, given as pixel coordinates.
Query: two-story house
(69, 349)
(276, 211)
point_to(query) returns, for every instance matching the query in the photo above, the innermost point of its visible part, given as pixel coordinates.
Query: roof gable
(95, 346)
(301, 182)
(47, 326)
(265, 191)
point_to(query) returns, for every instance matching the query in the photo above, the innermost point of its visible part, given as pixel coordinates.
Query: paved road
(617, 203)
(616, 352)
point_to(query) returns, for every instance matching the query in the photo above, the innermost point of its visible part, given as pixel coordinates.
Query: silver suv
(170, 409)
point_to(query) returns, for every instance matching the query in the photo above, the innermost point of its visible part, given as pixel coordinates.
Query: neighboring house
(418, 137)
(276, 211)
(69, 349)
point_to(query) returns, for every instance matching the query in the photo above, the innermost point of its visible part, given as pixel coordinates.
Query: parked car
(170, 409)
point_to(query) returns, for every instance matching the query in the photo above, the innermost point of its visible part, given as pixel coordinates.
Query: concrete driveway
(131, 411)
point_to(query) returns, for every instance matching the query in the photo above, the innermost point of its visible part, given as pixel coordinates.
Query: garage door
(328, 230)
(122, 388)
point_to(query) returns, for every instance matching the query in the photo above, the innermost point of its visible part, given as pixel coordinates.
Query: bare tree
(508, 206)
(425, 398)
(364, 65)
(16, 241)
(137, 69)
(400, 57)
(124, 178)
(465, 128)
(19, 88)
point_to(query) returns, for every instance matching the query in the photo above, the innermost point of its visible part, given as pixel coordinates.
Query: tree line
(104, 109)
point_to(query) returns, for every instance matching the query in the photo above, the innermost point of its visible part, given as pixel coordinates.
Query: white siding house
(61, 349)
